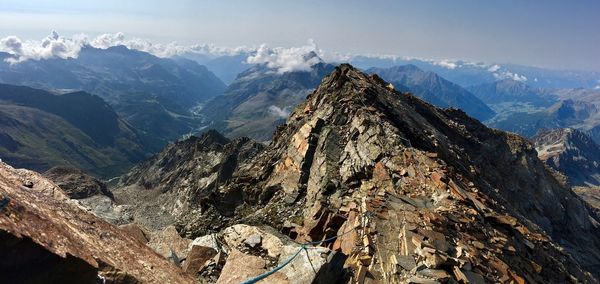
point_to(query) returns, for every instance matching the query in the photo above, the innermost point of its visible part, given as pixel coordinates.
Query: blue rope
(279, 267)
(285, 263)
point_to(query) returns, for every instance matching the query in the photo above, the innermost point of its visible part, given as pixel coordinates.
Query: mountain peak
(408, 67)
(212, 136)
(417, 183)
(346, 80)
(312, 55)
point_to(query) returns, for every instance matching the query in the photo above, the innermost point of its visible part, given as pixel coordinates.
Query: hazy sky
(548, 33)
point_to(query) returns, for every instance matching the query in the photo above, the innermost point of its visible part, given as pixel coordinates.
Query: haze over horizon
(555, 34)
(340, 141)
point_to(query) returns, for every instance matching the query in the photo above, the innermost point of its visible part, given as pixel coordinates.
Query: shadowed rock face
(77, 184)
(407, 184)
(24, 261)
(184, 178)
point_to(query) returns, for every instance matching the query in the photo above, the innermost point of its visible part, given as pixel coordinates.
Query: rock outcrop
(241, 252)
(175, 184)
(77, 184)
(407, 192)
(47, 238)
(572, 153)
(91, 193)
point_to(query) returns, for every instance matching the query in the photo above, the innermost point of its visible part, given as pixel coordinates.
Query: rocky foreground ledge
(47, 238)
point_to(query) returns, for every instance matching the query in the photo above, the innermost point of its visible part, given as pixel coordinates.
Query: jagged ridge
(426, 186)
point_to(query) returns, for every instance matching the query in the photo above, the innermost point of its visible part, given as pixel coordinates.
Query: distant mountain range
(153, 94)
(467, 74)
(463, 73)
(226, 67)
(434, 89)
(39, 130)
(525, 110)
(162, 99)
(511, 91)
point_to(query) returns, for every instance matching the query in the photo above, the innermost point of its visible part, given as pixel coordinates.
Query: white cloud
(275, 110)
(287, 59)
(494, 68)
(448, 64)
(57, 46)
(11, 44)
(164, 50)
(279, 58)
(108, 40)
(53, 45)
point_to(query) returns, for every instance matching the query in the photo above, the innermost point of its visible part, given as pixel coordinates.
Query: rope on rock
(289, 260)
(279, 267)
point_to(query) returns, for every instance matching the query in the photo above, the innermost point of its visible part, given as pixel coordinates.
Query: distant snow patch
(510, 75)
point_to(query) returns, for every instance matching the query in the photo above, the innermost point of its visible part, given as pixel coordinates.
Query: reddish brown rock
(197, 258)
(240, 267)
(42, 224)
(135, 231)
(170, 244)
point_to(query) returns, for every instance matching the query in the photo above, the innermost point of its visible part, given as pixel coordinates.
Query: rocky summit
(388, 188)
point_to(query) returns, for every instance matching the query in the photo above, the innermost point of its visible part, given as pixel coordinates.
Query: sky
(549, 33)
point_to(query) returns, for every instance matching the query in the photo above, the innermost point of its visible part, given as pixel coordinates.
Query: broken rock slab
(135, 231)
(312, 265)
(170, 244)
(206, 241)
(197, 259)
(253, 240)
(241, 267)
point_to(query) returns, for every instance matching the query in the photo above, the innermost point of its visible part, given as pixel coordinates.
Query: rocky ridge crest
(416, 193)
